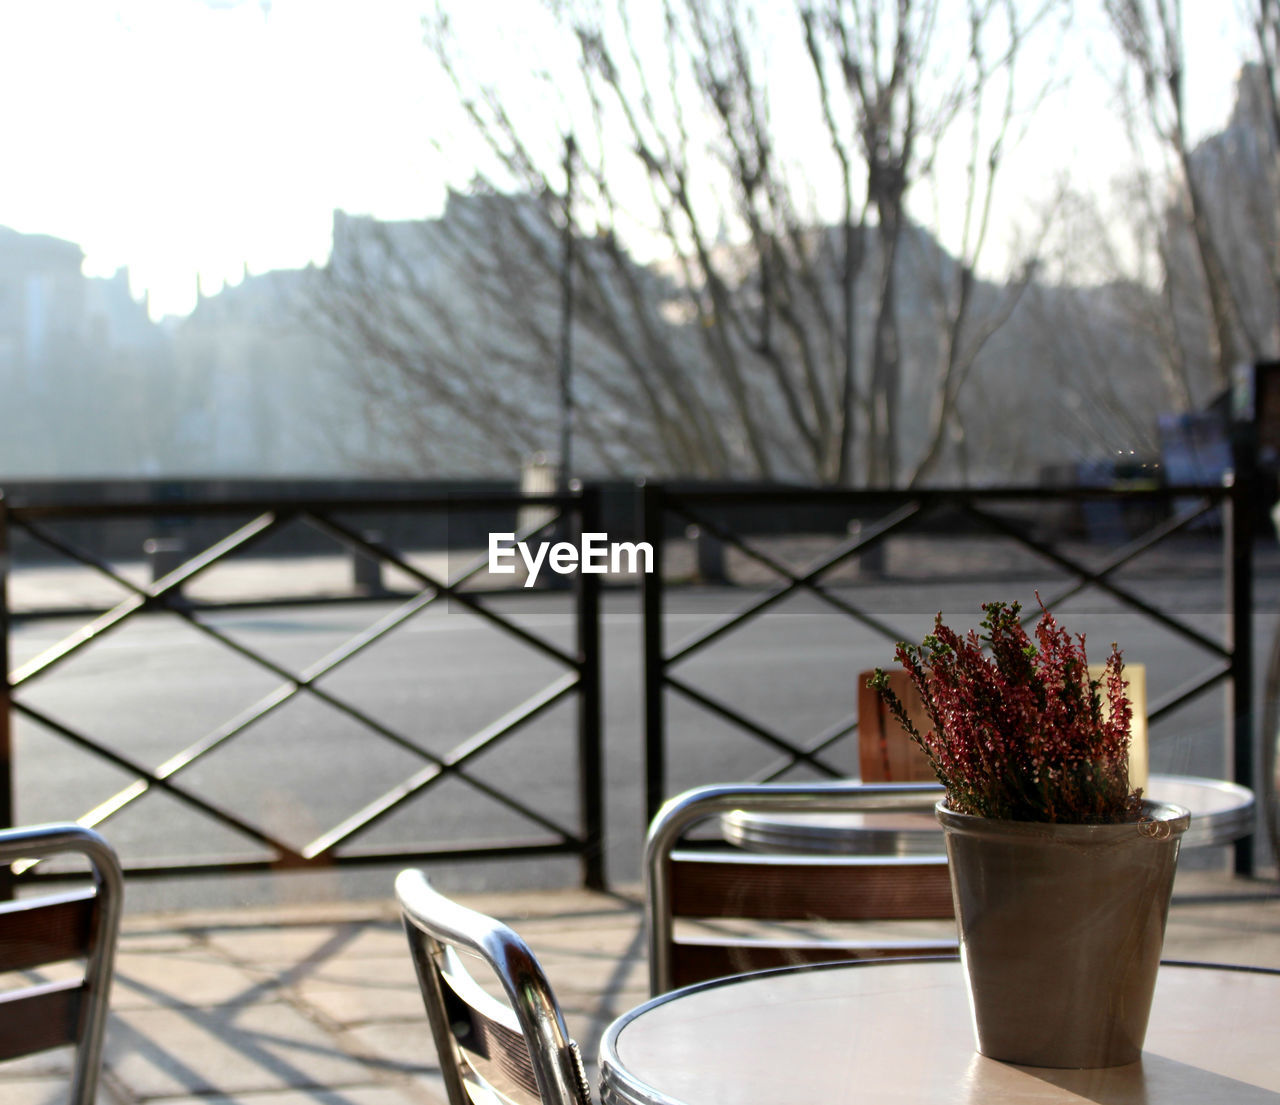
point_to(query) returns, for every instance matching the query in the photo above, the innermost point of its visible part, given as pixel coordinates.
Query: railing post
(590, 739)
(1242, 502)
(6, 703)
(652, 518)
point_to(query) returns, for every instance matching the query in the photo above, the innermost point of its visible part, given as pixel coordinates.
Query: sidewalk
(319, 1006)
(74, 589)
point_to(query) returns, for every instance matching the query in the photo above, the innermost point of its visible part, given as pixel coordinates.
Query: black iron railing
(1157, 516)
(1004, 513)
(336, 845)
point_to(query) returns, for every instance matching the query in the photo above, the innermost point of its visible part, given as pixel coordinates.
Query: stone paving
(318, 1005)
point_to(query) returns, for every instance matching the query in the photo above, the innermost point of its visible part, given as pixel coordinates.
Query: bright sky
(197, 136)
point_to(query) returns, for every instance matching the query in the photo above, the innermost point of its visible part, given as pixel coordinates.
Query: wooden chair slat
(886, 752)
(45, 931)
(798, 888)
(37, 1018)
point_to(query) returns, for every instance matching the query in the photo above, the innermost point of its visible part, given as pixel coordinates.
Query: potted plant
(1061, 873)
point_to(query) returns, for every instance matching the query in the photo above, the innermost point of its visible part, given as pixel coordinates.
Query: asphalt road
(156, 686)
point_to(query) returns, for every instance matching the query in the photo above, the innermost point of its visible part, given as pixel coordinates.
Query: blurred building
(80, 362)
(256, 392)
(92, 387)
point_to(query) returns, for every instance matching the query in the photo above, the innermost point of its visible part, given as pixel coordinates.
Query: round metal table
(899, 1031)
(1220, 813)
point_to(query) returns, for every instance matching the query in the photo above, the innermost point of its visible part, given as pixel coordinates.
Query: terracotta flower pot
(1061, 928)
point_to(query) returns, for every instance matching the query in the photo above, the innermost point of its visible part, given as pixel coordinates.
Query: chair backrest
(518, 1051)
(37, 932)
(886, 752)
(693, 882)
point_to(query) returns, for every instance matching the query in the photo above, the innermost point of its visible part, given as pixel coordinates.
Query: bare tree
(1260, 111)
(1152, 296)
(771, 343)
(1224, 201)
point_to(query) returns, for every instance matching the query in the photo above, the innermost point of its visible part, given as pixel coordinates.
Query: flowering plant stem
(1020, 731)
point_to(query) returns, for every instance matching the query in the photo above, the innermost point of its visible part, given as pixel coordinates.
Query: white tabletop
(899, 1032)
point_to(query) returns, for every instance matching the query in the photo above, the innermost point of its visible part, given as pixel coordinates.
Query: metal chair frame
(525, 1043)
(692, 882)
(36, 932)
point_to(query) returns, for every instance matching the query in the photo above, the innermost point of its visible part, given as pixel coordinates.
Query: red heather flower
(1019, 729)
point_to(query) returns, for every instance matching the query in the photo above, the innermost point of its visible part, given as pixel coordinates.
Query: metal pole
(6, 702)
(590, 698)
(566, 323)
(1239, 537)
(651, 530)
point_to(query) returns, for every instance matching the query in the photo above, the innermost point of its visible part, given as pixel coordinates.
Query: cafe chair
(54, 928)
(518, 1052)
(710, 887)
(886, 752)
